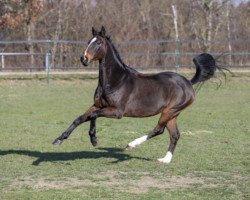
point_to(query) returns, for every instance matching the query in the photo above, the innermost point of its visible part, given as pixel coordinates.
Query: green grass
(211, 160)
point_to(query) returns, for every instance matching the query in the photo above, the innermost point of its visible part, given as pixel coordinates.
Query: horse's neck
(111, 70)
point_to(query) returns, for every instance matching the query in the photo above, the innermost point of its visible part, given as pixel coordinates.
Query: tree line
(202, 21)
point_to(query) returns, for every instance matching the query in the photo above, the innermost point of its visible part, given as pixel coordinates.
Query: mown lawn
(211, 160)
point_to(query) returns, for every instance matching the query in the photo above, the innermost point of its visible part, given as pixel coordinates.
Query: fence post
(177, 54)
(47, 61)
(2, 61)
(177, 41)
(47, 65)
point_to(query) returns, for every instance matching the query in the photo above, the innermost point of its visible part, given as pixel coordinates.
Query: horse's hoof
(57, 142)
(167, 158)
(94, 141)
(129, 147)
(164, 160)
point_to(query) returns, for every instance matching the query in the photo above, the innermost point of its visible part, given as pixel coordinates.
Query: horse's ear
(94, 32)
(103, 31)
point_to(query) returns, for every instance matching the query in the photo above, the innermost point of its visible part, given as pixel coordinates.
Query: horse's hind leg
(159, 129)
(156, 131)
(174, 137)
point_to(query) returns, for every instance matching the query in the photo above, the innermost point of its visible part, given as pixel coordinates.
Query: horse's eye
(99, 42)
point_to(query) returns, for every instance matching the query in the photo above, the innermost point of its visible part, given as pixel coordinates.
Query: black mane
(118, 55)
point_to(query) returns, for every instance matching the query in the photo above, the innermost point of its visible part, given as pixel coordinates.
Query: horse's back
(166, 77)
(167, 80)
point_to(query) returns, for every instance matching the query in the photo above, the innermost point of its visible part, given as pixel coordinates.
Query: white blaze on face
(93, 40)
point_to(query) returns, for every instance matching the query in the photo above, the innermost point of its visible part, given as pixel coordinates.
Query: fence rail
(37, 55)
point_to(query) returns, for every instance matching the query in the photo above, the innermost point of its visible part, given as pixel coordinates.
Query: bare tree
(147, 20)
(229, 31)
(19, 13)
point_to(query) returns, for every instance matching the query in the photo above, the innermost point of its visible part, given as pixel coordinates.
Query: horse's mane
(117, 54)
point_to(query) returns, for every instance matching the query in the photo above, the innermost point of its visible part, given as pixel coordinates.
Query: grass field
(211, 160)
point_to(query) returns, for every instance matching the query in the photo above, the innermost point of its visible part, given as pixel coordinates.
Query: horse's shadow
(116, 153)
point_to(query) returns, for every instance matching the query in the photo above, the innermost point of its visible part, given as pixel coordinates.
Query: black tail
(205, 68)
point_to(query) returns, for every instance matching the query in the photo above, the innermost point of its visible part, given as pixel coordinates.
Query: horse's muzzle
(84, 61)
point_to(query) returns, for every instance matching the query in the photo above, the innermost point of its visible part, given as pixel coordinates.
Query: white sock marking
(138, 141)
(167, 158)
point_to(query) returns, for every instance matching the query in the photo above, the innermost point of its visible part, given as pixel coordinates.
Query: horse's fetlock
(93, 140)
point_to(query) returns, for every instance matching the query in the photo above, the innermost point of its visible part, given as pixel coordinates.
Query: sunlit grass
(211, 158)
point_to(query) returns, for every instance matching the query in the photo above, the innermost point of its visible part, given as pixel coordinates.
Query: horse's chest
(98, 98)
(102, 99)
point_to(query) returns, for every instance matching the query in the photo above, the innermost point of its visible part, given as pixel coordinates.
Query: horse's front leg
(90, 114)
(104, 112)
(92, 131)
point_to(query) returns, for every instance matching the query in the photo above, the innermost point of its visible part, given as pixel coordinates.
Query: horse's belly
(143, 107)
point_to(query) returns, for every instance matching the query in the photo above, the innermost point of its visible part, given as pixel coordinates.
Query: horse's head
(97, 47)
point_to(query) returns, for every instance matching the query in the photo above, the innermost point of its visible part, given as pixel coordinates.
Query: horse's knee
(155, 132)
(160, 131)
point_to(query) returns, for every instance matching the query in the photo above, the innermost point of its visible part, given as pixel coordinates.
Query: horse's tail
(205, 68)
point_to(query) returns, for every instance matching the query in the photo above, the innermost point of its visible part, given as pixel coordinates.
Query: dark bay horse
(124, 92)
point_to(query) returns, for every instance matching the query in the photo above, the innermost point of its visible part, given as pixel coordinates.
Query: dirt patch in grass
(145, 183)
(48, 183)
(110, 179)
(191, 133)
